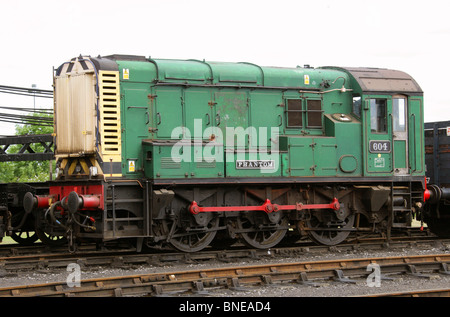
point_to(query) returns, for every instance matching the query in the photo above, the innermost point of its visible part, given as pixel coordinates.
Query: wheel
(48, 234)
(24, 237)
(260, 230)
(191, 238)
(329, 230)
(50, 239)
(25, 234)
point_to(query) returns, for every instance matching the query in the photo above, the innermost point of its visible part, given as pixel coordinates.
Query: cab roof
(382, 80)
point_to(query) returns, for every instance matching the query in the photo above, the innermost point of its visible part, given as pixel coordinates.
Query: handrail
(414, 152)
(392, 147)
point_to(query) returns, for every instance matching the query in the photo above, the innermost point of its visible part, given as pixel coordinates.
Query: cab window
(399, 114)
(357, 106)
(378, 115)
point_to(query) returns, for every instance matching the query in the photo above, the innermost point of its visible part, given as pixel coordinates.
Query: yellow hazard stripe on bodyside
(109, 114)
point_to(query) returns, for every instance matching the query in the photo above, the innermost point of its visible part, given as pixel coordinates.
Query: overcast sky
(412, 36)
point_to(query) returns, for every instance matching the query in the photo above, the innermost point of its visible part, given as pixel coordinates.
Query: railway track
(25, 259)
(11, 250)
(199, 281)
(445, 292)
(123, 258)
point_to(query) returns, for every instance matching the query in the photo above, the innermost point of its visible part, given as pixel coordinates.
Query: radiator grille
(168, 162)
(109, 115)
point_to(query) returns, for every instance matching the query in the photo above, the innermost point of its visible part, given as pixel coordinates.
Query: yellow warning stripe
(109, 111)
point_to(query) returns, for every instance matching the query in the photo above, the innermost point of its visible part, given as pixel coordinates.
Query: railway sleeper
(340, 277)
(444, 269)
(412, 270)
(304, 280)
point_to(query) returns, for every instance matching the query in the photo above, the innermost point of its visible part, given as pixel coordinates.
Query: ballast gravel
(320, 288)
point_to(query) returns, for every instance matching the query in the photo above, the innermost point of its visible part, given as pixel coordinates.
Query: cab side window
(399, 114)
(378, 115)
(357, 106)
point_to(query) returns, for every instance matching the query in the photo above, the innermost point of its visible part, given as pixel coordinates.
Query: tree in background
(32, 171)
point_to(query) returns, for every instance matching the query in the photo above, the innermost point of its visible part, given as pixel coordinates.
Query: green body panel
(135, 119)
(311, 157)
(200, 115)
(347, 131)
(299, 160)
(263, 103)
(135, 114)
(325, 156)
(180, 159)
(239, 111)
(168, 109)
(416, 135)
(231, 110)
(400, 149)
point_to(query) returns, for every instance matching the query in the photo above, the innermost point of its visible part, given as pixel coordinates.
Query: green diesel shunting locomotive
(189, 152)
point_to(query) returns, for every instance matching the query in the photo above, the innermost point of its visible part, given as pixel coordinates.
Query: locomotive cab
(390, 106)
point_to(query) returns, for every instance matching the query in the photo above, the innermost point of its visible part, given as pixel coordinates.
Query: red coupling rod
(267, 207)
(333, 205)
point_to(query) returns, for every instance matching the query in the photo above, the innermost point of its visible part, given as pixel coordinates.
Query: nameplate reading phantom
(255, 164)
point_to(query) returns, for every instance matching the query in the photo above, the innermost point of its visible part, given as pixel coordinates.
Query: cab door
(378, 136)
(386, 135)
